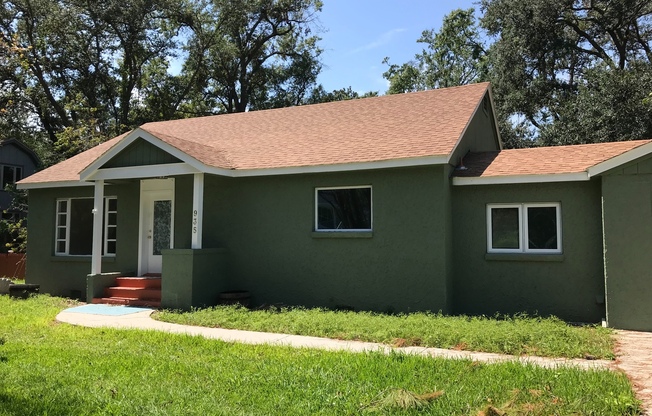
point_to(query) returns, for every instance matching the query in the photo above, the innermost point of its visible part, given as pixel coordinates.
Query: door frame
(148, 186)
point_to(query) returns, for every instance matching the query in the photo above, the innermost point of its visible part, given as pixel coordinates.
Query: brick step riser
(138, 282)
(130, 292)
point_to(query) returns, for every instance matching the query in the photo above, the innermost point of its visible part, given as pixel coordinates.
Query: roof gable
(140, 153)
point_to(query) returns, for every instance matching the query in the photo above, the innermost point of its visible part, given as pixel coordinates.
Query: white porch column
(98, 215)
(197, 209)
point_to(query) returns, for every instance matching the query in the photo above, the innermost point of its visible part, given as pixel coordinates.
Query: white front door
(156, 222)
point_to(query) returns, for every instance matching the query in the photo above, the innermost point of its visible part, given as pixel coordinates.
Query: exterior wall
(66, 275)
(627, 215)
(480, 135)
(266, 224)
(192, 277)
(568, 285)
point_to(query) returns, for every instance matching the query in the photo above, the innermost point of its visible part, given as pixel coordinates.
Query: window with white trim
(524, 228)
(343, 209)
(74, 227)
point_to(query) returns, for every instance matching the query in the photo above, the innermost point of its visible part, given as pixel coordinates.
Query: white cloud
(381, 40)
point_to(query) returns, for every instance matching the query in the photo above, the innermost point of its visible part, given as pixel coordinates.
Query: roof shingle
(543, 160)
(391, 127)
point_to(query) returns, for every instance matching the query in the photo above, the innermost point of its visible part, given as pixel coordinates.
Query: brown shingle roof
(427, 123)
(413, 125)
(543, 160)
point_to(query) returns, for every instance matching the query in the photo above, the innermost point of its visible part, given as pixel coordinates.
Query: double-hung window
(524, 228)
(343, 209)
(74, 226)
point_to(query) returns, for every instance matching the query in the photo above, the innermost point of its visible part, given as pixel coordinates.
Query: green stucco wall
(627, 213)
(66, 275)
(193, 277)
(569, 286)
(266, 224)
(480, 134)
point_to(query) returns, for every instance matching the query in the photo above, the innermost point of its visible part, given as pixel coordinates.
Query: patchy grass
(517, 335)
(58, 369)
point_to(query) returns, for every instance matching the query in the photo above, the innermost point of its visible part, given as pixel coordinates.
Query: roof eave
(517, 179)
(621, 159)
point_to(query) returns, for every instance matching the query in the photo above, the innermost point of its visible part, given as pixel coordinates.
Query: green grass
(47, 368)
(548, 337)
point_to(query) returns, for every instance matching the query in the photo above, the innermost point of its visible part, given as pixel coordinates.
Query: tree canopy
(75, 72)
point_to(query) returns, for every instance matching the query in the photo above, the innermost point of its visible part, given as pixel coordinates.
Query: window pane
(113, 204)
(7, 176)
(61, 233)
(111, 233)
(112, 218)
(542, 228)
(62, 206)
(81, 227)
(61, 246)
(504, 228)
(162, 225)
(344, 209)
(19, 174)
(110, 247)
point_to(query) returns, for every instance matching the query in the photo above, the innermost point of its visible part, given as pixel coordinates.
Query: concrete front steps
(134, 291)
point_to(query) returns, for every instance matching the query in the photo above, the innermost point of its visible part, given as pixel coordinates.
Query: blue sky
(359, 34)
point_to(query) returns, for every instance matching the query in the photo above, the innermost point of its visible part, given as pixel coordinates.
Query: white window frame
(57, 240)
(523, 229)
(336, 230)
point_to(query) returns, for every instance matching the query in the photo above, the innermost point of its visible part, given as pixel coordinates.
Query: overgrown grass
(58, 369)
(548, 337)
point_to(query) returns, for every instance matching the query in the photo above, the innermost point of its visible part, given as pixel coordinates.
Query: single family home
(395, 203)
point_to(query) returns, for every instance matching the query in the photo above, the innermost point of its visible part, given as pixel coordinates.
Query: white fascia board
(130, 138)
(621, 159)
(516, 179)
(54, 184)
(146, 171)
(468, 123)
(342, 167)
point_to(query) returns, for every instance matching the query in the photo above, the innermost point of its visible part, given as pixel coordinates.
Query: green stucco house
(395, 203)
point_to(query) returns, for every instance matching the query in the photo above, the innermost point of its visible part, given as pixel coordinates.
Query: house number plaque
(194, 221)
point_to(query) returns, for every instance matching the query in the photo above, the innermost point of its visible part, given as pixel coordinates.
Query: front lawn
(58, 369)
(548, 337)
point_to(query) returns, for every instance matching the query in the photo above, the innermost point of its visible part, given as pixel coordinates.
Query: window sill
(342, 234)
(524, 257)
(81, 259)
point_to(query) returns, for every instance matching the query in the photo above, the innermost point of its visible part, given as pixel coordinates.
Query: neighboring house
(394, 203)
(17, 161)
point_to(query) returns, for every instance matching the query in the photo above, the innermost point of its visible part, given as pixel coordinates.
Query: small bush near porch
(58, 369)
(517, 335)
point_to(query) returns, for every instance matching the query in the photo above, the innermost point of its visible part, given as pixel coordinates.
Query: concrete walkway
(634, 349)
(142, 320)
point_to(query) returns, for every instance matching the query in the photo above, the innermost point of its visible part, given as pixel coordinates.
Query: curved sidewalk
(143, 320)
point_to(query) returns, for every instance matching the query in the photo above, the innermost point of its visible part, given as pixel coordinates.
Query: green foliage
(563, 66)
(510, 335)
(320, 95)
(453, 56)
(59, 369)
(13, 224)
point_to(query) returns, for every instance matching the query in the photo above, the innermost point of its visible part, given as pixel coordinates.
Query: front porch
(190, 277)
